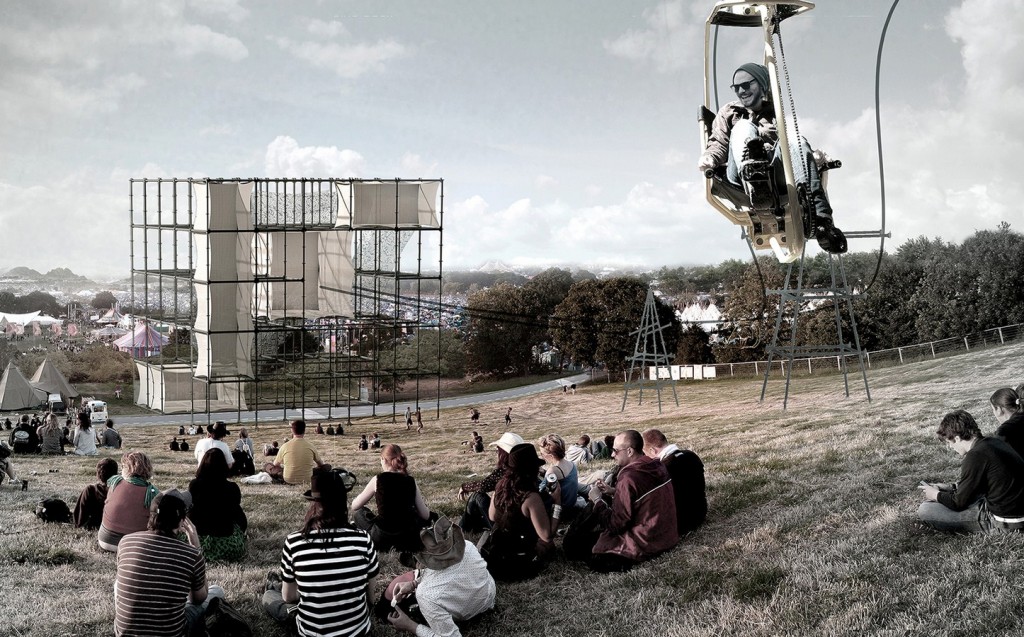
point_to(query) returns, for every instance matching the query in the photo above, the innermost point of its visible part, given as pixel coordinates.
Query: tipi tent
(111, 317)
(49, 379)
(16, 393)
(144, 341)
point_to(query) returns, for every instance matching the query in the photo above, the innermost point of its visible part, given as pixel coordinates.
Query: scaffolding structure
(293, 293)
(793, 298)
(649, 354)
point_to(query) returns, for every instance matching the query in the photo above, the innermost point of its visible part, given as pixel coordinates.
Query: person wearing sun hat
(475, 518)
(451, 584)
(215, 440)
(328, 569)
(520, 541)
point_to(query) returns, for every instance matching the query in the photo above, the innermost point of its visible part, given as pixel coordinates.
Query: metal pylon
(649, 350)
(841, 297)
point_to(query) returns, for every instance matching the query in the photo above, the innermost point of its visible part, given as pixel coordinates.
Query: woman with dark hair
(89, 509)
(475, 518)
(85, 437)
(128, 498)
(217, 509)
(401, 511)
(520, 540)
(1008, 409)
(327, 568)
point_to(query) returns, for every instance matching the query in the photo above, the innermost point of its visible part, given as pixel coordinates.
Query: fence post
(933, 348)
(899, 350)
(731, 372)
(1001, 341)
(967, 345)
(755, 369)
(868, 354)
(809, 371)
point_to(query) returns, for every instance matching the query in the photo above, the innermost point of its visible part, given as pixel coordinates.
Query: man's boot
(830, 238)
(756, 174)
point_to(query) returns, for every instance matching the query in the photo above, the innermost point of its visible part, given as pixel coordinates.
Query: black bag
(223, 620)
(53, 510)
(581, 536)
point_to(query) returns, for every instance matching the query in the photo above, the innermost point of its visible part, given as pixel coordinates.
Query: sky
(565, 130)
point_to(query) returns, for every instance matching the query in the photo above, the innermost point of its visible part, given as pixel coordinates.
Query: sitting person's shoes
(830, 238)
(273, 581)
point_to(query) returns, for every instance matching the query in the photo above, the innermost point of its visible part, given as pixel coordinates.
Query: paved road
(358, 411)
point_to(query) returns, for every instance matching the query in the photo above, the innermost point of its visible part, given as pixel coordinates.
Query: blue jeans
(973, 519)
(742, 132)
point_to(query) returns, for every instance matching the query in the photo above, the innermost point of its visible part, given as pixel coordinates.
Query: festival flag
(11, 328)
(36, 330)
(72, 330)
(55, 329)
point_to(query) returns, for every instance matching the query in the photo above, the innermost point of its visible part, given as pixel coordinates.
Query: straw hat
(443, 545)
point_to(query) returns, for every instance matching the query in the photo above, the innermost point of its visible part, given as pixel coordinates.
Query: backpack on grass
(224, 620)
(53, 510)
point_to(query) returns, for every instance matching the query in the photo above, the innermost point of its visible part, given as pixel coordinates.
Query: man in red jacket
(640, 522)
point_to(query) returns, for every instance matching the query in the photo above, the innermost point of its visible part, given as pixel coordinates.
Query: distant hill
(64, 275)
(21, 272)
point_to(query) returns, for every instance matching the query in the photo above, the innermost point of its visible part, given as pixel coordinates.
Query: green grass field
(811, 529)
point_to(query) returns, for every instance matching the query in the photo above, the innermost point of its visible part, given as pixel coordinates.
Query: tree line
(927, 289)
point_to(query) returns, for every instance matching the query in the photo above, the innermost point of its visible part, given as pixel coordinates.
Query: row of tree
(926, 290)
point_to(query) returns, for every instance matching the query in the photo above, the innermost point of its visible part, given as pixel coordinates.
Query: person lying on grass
(989, 498)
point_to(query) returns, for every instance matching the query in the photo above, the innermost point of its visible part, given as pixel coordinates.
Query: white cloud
(190, 40)
(545, 181)
(674, 157)
(29, 95)
(285, 158)
(331, 29)
(674, 30)
(231, 9)
(414, 166)
(349, 60)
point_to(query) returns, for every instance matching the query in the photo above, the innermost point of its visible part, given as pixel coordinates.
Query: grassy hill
(811, 529)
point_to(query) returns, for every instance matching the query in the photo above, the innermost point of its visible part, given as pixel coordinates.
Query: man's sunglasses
(743, 86)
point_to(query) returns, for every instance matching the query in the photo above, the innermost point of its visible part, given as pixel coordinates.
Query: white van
(97, 412)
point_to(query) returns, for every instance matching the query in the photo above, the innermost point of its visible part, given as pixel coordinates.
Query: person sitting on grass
(51, 437)
(89, 508)
(364, 444)
(160, 588)
(215, 440)
(128, 498)
(687, 473)
(328, 568)
(85, 437)
(579, 452)
(401, 511)
(563, 475)
(1008, 409)
(640, 521)
(989, 497)
(109, 438)
(451, 584)
(475, 493)
(297, 457)
(520, 541)
(7, 465)
(24, 437)
(217, 509)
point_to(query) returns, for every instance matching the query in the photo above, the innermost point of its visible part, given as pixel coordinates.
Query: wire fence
(995, 337)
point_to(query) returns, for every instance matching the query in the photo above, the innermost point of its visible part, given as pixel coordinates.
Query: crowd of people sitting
(611, 519)
(44, 434)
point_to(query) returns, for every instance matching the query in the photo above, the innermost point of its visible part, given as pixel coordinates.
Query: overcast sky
(565, 130)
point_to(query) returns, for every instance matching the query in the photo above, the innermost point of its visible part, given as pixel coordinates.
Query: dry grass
(811, 529)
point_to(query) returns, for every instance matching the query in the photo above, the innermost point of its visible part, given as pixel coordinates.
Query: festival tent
(144, 341)
(49, 379)
(110, 331)
(16, 393)
(111, 317)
